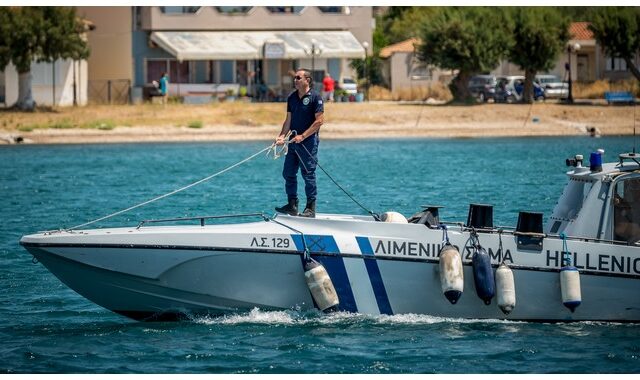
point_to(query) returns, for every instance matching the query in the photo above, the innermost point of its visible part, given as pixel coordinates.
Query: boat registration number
(265, 242)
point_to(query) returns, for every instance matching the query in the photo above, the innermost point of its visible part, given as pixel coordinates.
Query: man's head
(302, 79)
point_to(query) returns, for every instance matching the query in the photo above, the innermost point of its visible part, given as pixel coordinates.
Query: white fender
(320, 285)
(393, 217)
(506, 288)
(570, 287)
(451, 273)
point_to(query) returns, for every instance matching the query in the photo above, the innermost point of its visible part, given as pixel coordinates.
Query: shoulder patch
(320, 101)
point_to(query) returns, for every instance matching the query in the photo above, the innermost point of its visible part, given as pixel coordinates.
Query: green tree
(471, 40)
(617, 30)
(40, 34)
(369, 71)
(404, 24)
(539, 37)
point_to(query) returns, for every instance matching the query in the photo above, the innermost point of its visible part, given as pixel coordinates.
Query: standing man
(328, 86)
(164, 87)
(305, 115)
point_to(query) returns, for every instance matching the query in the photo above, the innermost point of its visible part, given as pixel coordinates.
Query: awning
(251, 45)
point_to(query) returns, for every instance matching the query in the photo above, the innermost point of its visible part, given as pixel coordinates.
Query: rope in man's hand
(275, 152)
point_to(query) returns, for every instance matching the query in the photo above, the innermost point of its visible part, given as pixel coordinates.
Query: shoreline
(343, 122)
(148, 134)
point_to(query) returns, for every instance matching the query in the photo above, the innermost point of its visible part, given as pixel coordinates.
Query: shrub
(195, 124)
(62, 124)
(104, 125)
(596, 90)
(436, 91)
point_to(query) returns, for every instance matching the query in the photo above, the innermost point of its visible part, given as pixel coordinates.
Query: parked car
(482, 87)
(349, 85)
(553, 86)
(509, 89)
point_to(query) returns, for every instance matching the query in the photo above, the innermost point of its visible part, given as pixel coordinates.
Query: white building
(49, 86)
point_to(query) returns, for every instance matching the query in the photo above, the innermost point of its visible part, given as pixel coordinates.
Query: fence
(113, 91)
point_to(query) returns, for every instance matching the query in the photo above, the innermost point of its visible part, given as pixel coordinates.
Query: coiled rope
(276, 153)
(269, 148)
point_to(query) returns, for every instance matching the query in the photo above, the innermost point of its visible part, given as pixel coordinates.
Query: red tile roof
(406, 46)
(577, 31)
(580, 31)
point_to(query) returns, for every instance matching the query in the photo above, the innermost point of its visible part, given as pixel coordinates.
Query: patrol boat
(583, 264)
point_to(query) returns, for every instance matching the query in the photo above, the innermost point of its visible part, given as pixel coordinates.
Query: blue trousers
(307, 166)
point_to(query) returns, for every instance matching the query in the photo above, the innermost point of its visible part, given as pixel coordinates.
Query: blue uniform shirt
(303, 111)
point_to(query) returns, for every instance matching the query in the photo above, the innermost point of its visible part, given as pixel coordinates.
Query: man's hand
(298, 139)
(280, 140)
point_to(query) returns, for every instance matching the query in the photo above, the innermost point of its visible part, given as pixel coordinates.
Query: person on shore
(328, 86)
(164, 87)
(305, 116)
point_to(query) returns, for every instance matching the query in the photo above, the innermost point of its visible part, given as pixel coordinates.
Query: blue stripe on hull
(317, 243)
(374, 275)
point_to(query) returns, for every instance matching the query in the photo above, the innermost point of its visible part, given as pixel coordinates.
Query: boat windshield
(626, 211)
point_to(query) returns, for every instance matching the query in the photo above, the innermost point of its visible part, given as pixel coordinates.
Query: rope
(173, 192)
(566, 257)
(475, 240)
(276, 153)
(445, 235)
(375, 216)
(500, 245)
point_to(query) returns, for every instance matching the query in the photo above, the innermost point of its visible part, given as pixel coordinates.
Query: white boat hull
(376, 268)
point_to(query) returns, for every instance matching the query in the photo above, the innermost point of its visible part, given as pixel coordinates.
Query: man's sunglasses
(298, 77)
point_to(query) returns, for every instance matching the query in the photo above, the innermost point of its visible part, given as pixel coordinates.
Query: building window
(179, 71)
(137, 18)
(290, 10)
(201, 72)
(233, 10)
(179, 10)
(242, 73)
(155, 69)
(341, 10)
(227, 72)
(420, 72)
(273, 74)
(616, 64)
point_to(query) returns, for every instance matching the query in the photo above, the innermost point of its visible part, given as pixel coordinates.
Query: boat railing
(202, 219)
(512, 231)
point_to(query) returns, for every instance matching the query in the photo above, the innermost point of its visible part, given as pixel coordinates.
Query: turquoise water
(47, 328)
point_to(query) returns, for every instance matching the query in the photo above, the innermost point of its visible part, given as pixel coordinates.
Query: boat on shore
(583, 264)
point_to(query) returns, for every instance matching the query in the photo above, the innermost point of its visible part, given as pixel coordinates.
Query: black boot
(310, 209)
(290, 208)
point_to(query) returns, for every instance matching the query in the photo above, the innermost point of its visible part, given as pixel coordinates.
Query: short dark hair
(307, 74)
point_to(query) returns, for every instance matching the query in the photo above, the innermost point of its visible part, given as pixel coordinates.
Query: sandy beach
(262, 121)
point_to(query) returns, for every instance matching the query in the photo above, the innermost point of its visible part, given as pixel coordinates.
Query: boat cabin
(601, 201)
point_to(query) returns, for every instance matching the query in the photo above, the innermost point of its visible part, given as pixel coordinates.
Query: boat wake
(313, 317)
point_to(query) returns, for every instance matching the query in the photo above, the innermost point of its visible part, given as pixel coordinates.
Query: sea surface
(47, 328)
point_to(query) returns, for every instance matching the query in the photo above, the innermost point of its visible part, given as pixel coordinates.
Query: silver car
(554, 87)
(349, 85)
